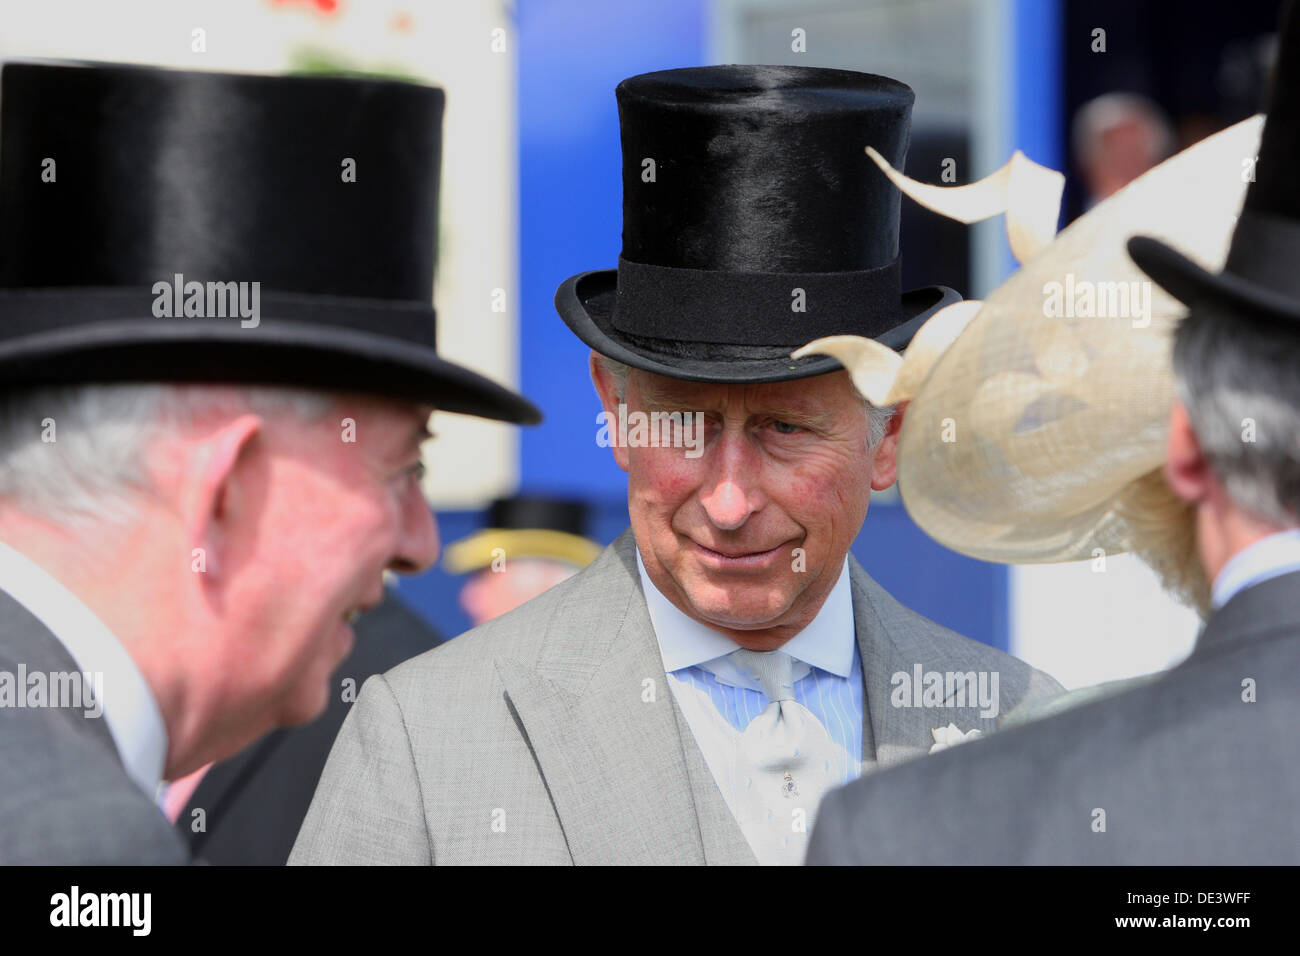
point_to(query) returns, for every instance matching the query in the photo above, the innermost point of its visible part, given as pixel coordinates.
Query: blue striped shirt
(832, 688)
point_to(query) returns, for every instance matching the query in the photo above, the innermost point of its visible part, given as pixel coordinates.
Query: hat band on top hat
(34, 312)
(753, 308)
(1257, 252)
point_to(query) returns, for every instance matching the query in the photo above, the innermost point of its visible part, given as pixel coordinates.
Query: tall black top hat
(137, 205)
(1261, 274)
(753, 222)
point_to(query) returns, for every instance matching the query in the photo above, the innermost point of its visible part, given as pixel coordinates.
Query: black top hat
(137, 205)
(527, 526)
(539, 511)
(753, 222)
(1260, 274)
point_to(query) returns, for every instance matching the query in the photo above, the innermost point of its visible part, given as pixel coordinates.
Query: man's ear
(609, 400)
(218, 486)
(1186, 469)
(884, 464)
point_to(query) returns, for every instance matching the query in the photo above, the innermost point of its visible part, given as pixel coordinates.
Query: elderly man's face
(333, 514)
(750, 536)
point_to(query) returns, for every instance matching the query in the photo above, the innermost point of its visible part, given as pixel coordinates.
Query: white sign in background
(448, 45)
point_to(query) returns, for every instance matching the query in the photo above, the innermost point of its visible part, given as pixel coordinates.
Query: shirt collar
(827, 642)
(1268, 557)
(130, 710)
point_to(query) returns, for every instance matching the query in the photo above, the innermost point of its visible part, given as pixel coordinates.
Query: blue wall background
(571, 55)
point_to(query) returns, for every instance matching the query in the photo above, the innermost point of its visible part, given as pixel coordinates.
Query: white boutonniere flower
(950, 736)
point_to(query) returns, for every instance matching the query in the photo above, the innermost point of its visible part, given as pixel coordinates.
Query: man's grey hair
(75, 454)
(1237, 377)
(878, 419)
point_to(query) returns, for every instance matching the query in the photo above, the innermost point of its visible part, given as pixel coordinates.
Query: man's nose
(417, 545)
(731, 494)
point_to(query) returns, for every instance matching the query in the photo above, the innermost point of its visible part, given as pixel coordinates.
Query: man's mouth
(736, 557)
(356, 610)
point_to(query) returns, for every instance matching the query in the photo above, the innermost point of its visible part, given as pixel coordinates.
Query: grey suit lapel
(612, 758)
(627, 779)
(890, 735)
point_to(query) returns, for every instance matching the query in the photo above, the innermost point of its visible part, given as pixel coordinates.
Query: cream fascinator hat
(1037, 417)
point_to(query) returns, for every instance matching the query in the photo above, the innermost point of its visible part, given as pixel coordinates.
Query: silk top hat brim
(753, 221)
(586, 303)
(64, 337)
(1259, 269)
(124, 188)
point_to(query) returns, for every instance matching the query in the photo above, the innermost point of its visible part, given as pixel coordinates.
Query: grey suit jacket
(550, 736)
(1183, 768)
(65, 797)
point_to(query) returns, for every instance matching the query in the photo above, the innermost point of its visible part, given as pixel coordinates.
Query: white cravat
(784, 762)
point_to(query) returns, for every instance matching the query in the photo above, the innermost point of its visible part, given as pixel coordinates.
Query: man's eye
(418, 470)
(785, 428)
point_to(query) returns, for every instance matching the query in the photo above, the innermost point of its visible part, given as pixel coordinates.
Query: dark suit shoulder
(1182, 770)
(95, 825)
(69, 800)
(64, 795)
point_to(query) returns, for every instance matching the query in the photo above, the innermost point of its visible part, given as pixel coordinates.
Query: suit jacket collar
(1267, 609)
(891, 735)
(627, 778)
(24, 639)
(1271, 556)
(130, 709)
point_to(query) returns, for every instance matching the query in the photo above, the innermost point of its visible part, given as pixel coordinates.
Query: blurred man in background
(531, 543)
(1117, 137)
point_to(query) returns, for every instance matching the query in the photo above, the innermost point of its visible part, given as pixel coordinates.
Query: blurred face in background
(1118, 137)
(490, 593)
